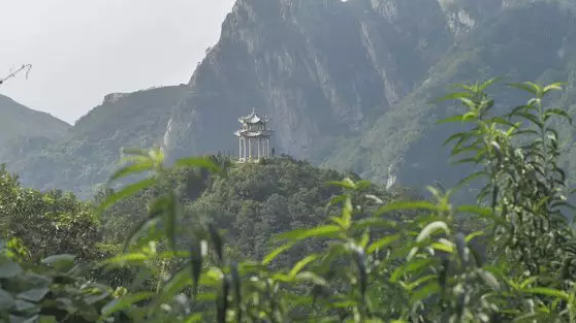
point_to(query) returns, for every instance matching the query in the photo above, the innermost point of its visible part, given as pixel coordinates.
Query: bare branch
(25, 67)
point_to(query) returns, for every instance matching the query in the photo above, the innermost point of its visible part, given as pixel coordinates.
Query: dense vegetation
(190, 243)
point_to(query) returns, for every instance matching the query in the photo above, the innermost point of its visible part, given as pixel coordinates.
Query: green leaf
(457, 118)
(488, 83)
(301, 264)
(317, 232)
(347, 213)
(10, 269)
(132, 169)
(443, 245)
(170, 215)
(22, 305)
(559, 112)
(553, 87)
(47, 319)
(126, 192)
(470, 178)
(382, 243)
(528, 281)
(461, 136)
(276, 252)
(473, 235)
(6, 301)
(548, 292)
(34, 295)
(420, 281)
(195, 318)
(431, 229)
(451, 97)
(176, 284)
(346, 183)
(311, 277)
(59, 260)
(532, 118)
(127, 258)
(409, 267)
(125, 302)
(490, 280)
(425, 292)
(529, 87)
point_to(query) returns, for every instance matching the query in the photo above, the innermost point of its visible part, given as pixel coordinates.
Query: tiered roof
(252, 133)
(253, 118)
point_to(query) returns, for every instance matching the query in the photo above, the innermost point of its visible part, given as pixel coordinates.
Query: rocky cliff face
(320, 69)
(517, 40)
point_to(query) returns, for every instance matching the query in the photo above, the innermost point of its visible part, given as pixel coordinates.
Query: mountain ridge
(20, 124)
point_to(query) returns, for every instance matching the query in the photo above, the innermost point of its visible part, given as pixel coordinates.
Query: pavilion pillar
(240, 148)
(267, 147)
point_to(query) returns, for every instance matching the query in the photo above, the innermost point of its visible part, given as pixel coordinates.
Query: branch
(26, 67)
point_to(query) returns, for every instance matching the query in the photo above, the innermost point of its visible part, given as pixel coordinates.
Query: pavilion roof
(252, 133)
(253, 118)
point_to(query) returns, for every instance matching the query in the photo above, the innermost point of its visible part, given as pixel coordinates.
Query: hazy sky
(82, 50)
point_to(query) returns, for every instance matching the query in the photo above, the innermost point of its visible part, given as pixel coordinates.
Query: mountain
(321, 69)
(524, 42)
(20, 124)
(347, 85)
(89, 152)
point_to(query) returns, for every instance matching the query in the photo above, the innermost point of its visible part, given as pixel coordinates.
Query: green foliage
(421, 268)
(370, 255)
(47, 223)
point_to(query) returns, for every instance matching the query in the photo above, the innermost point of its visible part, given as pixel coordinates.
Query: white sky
(82, 50)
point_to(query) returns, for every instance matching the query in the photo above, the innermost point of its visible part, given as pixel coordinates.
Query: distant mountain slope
(91, 149)
(535, 42)
(18, 122)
